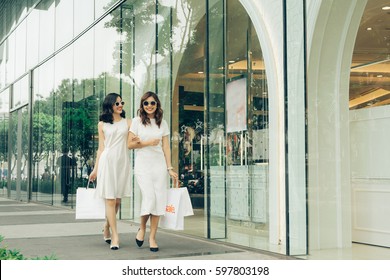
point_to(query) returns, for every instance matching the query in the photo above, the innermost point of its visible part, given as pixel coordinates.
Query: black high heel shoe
(139, 242)
(153, 249)
(106, 239)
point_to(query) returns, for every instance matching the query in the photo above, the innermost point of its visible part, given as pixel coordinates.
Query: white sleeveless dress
(113, 178)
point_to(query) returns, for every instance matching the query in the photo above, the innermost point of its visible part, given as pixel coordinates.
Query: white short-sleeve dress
(150, 168)
(113, 176)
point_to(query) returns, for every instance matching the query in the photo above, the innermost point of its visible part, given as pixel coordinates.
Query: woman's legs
(106, 227)
(153, 230)
(142, 228)
(111, 205)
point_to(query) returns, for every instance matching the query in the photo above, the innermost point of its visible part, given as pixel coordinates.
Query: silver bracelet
(170, 168)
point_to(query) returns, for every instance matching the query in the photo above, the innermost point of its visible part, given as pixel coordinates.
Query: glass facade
(262, 134)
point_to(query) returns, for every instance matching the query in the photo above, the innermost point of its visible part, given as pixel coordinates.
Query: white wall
(370, 149)
(370, 175)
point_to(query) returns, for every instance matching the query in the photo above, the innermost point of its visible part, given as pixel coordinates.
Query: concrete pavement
(38, 230)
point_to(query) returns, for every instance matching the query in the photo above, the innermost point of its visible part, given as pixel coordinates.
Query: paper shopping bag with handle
(178, 206)
(89, 206)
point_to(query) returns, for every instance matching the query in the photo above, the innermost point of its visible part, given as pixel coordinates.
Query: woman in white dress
(152, 164)
(112, 163)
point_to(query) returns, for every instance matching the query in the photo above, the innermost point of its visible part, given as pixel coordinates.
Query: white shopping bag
(89, 206)
(178, 206)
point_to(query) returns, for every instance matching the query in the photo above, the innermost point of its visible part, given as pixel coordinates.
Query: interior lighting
(386, 8)
(369, 28)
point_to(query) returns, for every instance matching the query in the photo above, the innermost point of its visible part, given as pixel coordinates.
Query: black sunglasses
(119, 103)
(146, 103)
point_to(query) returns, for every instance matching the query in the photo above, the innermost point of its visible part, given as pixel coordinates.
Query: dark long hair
(109, 101)
(158, 115)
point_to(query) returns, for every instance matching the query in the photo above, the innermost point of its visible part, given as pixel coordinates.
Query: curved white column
(332, 29)
(267, 18)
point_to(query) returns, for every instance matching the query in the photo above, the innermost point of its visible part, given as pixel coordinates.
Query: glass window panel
(215, 118)
(127, 87)
(138, 46)
(2, 27)
(10, 21)
(12, 168)
(64, 22)
(43, 136)
(20, 92)
(46, 28)
(144, 71)
(127, 56)
(20, 44)
(296, 213)
(164, 55)
(19, 10)
(83, 116)
(188, 33)
(10, 67)
(106, 68)
(101, 6)
(3, 57)
(4, 125)
(19, 149)
(83, 15)
(32, 51)
(83, 66)
(63, 106)
(23, 150)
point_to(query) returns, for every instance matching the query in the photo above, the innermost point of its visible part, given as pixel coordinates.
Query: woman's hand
(135, 139)
(173, 175)
(93, 175)
(154, 142)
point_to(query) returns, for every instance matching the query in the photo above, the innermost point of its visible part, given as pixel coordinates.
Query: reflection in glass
(20, 50)
(32, 51)
(101, 6)
(64, 22)
(43, 136)
(60, 170)
(83, 15)
(10, 59)
(187, 117)
(19, 154)
(4, 124)
(370, 69)
(3, 55)
(215, 115)
(20, 92)
(46, 28)
(106, 59)
(83, 66)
